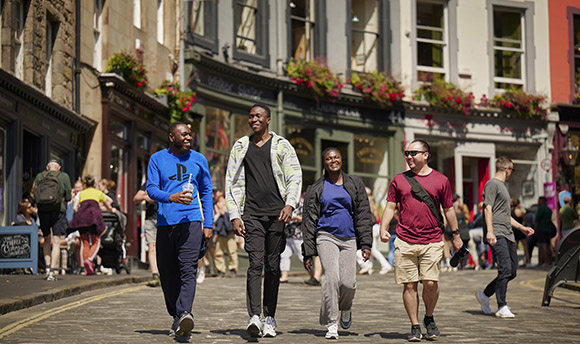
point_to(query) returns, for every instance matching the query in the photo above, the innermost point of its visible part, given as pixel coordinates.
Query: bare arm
(524, 229)
(386, 221)
(141, 196)
(488, 217)
(452, 221)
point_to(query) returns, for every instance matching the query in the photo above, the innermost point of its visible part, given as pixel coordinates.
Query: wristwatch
(455, 232)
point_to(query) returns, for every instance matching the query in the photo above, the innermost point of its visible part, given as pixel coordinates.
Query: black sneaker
(432, 330)
(415, 335)
(313, 282)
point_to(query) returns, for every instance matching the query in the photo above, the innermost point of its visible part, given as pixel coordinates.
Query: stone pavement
(136, 314)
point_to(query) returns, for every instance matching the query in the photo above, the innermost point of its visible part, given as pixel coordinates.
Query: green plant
(382, 89)
(317, 77)
(524, 104)
(132, 71)
(179, 101)
(445, 94)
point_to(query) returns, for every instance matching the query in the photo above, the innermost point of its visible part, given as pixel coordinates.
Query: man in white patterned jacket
(263, 185)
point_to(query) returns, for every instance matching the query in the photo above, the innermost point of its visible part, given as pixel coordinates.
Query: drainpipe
(77, 88)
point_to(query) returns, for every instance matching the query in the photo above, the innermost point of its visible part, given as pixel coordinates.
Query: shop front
(465, 148)
(369, 138)
(33, 130)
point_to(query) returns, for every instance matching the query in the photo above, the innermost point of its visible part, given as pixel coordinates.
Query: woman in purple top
(336, 222)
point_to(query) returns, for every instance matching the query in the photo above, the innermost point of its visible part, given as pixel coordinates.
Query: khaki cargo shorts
(150, 231)
(417, 262)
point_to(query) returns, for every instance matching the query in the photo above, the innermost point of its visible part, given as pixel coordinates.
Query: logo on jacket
(181, 173)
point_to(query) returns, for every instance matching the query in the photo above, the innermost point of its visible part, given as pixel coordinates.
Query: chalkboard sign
(19, 247)
(14, 246)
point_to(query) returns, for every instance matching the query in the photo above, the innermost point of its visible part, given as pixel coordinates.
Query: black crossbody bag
(420, 192)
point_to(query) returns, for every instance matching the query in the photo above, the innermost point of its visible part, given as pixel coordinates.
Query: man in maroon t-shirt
(419, 245)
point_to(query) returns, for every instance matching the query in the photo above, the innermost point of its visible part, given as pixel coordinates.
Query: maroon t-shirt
(417, 224)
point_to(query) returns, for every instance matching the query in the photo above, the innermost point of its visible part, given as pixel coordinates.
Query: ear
(171, 137)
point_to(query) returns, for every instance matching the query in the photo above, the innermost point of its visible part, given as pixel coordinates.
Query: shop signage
(546, 164)
(236, 87)
(19, 247)
(550, 194)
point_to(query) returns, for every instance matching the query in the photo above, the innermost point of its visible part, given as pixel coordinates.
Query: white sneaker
(385, 269)
(269, 327)
(366, 267)
(254, 328)
(332, 332)
(51, 277)
(504, 312)
(200, 276)
(484, 301)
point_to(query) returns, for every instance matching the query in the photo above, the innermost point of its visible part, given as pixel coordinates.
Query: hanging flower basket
(179, 101)
(383, 90)
(524, 104)
(316, 77)
(129, 68)
(446, 95)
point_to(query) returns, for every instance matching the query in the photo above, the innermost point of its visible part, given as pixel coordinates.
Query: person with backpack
(51, 190)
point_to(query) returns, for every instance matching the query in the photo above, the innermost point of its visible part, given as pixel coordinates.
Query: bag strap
(418, 190)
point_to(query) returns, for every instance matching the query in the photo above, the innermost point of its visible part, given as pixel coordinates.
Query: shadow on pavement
(475, 312)
(385, 335)
(153, 332)
(237, 332)
(317, 333)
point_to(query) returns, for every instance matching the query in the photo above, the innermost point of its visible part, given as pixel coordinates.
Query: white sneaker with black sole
(254, 328)
(504, 312)
(332, 332)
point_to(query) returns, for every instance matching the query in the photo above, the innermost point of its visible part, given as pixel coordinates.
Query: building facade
(38, 117)
(237, 53)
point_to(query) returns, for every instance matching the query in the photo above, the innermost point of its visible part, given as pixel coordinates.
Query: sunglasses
(413, 153)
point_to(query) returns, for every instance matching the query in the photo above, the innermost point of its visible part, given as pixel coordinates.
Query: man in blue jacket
(182, 208)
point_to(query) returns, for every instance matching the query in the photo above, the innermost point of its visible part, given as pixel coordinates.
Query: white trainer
(269, 327)
(254, 328)
(504, 312)
(332, 332)
(484, 301)
(200, 276)
(386, 269)
(367, 267)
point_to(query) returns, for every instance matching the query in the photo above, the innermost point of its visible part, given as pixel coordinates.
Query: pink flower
(308, 84)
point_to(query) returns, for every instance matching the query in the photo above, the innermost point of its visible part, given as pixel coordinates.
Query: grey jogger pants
(338, 258)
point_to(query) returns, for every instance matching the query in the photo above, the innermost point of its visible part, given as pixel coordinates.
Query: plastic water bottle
(188, 186)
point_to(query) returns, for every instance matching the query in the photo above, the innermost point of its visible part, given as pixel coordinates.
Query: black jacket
(363, 223)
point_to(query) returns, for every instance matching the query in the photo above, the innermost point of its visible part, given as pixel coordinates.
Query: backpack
(48, 193)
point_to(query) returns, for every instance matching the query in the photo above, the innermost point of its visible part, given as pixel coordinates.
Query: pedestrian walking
(51, 190)
(225, 240)
(336, 221)
(149, 206)
(419, 245)
(263, 184)
(178, 180)
(498, 224)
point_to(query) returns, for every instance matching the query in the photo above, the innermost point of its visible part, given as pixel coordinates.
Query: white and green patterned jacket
(285, 165)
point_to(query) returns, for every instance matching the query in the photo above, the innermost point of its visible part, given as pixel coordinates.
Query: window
(97, 36)
(202, 24)
(364, 35)
(160, 23)
(508, 48)
(19, 40)
(2, 181)
(137, 13)
(250, 25)
(302, 16)
(51, 34)
(432, 47)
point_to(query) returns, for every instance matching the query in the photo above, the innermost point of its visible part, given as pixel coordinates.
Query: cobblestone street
(136, 314)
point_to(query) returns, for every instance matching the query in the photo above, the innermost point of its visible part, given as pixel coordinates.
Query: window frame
(52, 28)
(19, 25)
(320, 29)
(209, 42)
(528, 73)
(160, 12)
(522, 50)
(137, 13)
(262, 38)
(383, 37)
(98, 34)
(572, 12)
(450, 28)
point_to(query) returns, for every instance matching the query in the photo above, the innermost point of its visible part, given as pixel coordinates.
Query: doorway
(32, 160)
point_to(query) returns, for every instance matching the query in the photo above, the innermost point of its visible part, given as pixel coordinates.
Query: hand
(491, 239)
(183, 197)
(285, 214)
(527, 230)
(457, 242)
(366, 253)
(207, 233)
(239, 227)
(308, 264)
(385, 235)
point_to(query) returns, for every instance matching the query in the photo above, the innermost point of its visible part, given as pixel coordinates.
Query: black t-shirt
(151, 208)
(262, 194)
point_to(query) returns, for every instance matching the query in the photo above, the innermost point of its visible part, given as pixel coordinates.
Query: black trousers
(506, 258)
(179, 248)
(265, 242)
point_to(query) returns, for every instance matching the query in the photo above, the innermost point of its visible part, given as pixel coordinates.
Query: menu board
(15, 246)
